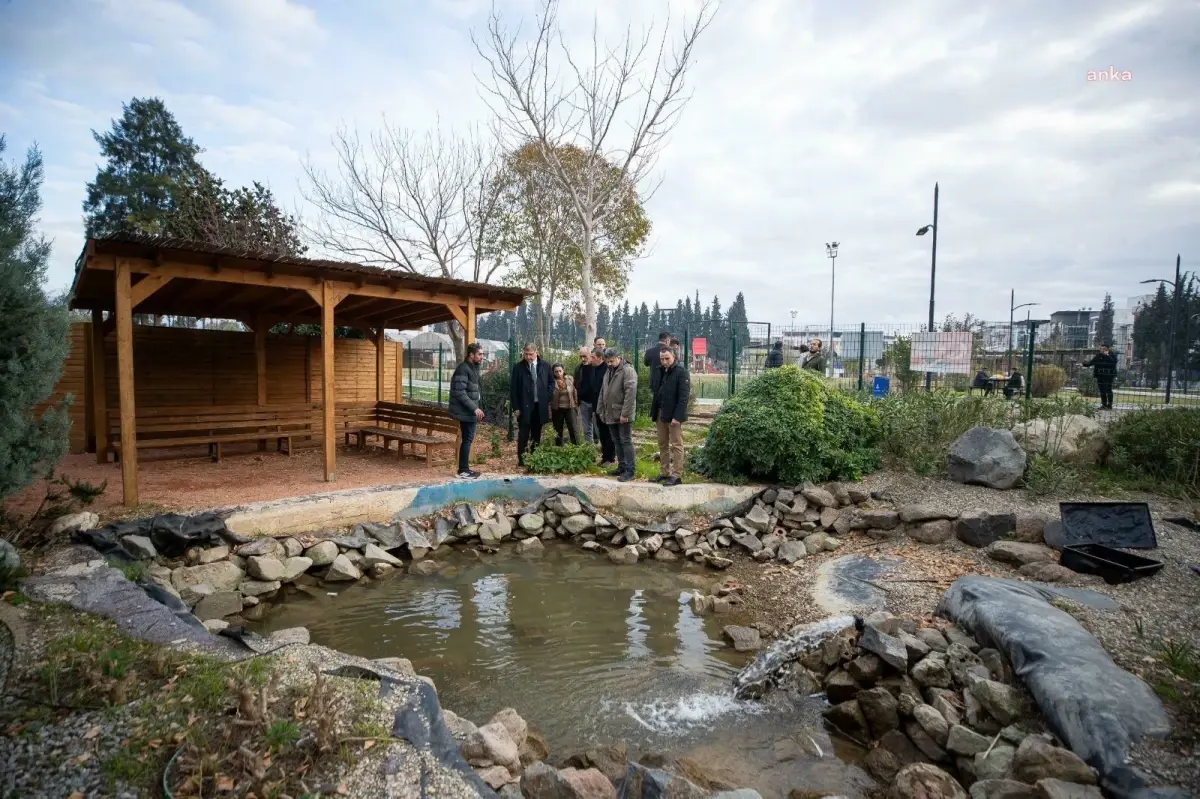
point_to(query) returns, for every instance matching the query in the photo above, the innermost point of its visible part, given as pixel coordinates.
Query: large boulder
(1036, 759)
(222, 576)
(342, 570)
(322, 553)
(265, 567)
(923, 781)
(1018, 553)
(988, 457)
(1073, 438)
(978, 528)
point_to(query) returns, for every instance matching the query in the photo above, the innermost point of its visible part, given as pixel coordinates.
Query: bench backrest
(418, 418)
(214, 420)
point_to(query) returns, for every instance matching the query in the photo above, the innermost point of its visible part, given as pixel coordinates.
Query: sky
(808, 122)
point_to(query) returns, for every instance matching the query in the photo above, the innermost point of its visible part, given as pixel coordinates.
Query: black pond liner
(1113, 565)
(1114, 524)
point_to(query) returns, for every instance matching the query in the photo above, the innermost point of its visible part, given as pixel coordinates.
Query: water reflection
(636, 628)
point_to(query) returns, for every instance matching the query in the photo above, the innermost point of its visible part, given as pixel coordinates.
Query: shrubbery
(567, 459)
(1160, 444)
(1047, 380)
(494, 383)
(788, 426)
(1088, 387)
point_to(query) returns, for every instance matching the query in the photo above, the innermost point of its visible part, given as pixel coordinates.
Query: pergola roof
(189, 278)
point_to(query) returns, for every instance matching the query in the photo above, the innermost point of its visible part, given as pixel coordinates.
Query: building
(1074, 330)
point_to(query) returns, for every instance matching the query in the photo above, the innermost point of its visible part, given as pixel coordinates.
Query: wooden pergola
(131, 274)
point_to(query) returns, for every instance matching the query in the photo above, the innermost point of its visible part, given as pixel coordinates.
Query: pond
(587, 652)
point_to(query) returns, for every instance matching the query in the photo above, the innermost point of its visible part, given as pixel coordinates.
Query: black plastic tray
(1111, 564)
(1116, 524)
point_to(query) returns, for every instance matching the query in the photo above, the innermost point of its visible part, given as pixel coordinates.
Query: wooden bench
(214, 425)
(411, 426)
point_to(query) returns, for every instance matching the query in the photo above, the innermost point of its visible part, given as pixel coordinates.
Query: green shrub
(788, 426)
(1160, 444)
(1049, 476)
(1047, 379)
(918, 427)
(1088, 386)
(567, 459)
(494, 384)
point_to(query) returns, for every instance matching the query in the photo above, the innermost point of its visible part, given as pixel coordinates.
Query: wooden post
(260, 357)
(380, 340)
(329, 390)
(99, 389)
(125, 385)
(399, 372)
(470, 320)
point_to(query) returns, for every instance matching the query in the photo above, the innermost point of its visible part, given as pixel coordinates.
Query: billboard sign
(941, 353)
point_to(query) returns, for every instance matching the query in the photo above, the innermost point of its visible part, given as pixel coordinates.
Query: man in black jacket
(669, 410)
(530, 389)
(466, 406)
(1104, 364)
(652, 362)
(589, 375)
(775, 356)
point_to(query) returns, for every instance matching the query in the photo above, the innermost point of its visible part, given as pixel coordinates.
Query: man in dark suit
(653, 362)
(1105, 364)
(530, 387)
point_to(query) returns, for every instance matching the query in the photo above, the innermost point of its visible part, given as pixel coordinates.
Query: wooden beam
(328, 302)
(125, 384)
(254, 277)
(380, 340)
(147, 286)
(99, 389)
(471, 320)
(456, 310)
(260, 357)
(399, 371)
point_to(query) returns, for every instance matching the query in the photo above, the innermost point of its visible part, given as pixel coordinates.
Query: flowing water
(588, 653)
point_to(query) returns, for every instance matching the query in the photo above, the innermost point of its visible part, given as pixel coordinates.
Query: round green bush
(788, 426)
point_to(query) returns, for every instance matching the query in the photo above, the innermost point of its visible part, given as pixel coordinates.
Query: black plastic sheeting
(420, 722)
(1125, 525)
(171, 601)
(1096, 708)
(171, 533)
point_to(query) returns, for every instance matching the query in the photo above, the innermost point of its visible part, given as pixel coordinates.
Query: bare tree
(421, 203)
(639, 84)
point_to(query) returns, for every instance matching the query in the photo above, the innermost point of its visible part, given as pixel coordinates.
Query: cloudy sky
(809, 122)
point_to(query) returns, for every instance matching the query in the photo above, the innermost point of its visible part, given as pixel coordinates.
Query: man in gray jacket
(466, 406)
(616, 408)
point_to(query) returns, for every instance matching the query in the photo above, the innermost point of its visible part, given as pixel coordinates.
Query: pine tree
(1104, 323)
(603, 322)
(33, 332)
(738, 322)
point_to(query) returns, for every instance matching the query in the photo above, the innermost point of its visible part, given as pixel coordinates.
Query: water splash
(686, 713)
(753, 681)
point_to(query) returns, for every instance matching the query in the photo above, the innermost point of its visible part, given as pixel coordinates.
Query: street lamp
(932, 267)
(1171, 327)
(1012, 298)
(831, 251)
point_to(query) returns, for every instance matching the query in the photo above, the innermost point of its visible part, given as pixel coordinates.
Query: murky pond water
(587, 652)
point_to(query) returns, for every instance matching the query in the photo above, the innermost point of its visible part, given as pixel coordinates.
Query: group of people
(1103, 364)
(812, 356)
(597, 403)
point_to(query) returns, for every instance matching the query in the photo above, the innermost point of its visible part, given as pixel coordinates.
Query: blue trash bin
(880, 385)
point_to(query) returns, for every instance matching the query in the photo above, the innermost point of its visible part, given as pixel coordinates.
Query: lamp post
(932, 268)
(1012, 298)
(1171, 327)
(831, 251)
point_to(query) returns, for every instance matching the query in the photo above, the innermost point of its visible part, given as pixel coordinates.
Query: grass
(1181, 659)
(133, 570)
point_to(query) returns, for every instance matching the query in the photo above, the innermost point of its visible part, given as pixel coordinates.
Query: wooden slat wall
(180, 366)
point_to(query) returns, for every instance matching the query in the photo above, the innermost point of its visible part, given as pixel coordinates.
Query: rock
(758, 519)
(322, 553)
(716, 561)
(933, 723)
(937, 531)
(632, 536)
(290, 635)
(888, 647)
(1047, 572)
(847, 719)
(1073, 438)
(976, 716)
(899, 745)
(425, 568)
(865, 668)
(373, 555)
(1019, 553)
(493, 531)
(1002, 789)
(1058, 789)
(530, 546)
(381, 571)
(1036, 759)
(413, 537)
(882, 764)
(1013, 734)
(214, 554)
(516, 726)
(962, 740)
(443, 528)
(265, 567)
(496, 777)
(924, 741)
(955, 635)
(579, 523)
(994, 662)
(933, 638)
(840, 687)
(819, 498)
(139, 547)
(1030, 527)
(222, 576)
(564, 505)
(878, 519)
(641, 782)
(261, 546)
(73, 523)
(988, 457)
(218, 605)
(1002, 701)
(665, 556)
(915, 647)
(943, 702)
(258, 588)
(978, 528)
(355, 557)
(791, 551)
(191, 594)
(624, 555)
(829, 517)
(879, 708)
(916, 514)
(749, 542)
(923, 781)
(295, 566)
(995, 765)
(215, 626)
(342, 570)
(962, 662)
(531, 522)
(291, 548)
(814, 542)
(588, 784)
(743, 639)
(491, 745)
(932, 671)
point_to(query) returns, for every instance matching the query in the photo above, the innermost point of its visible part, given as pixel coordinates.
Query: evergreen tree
(738, 323)
(1104, 323)
(33, 332)
(150, 164)
(603, 322)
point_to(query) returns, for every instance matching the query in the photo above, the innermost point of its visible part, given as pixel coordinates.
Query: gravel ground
(1153, 610)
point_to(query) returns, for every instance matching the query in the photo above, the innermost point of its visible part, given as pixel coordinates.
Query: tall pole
(1012, 302)
(932, 274)
(832, 251)
(1171, 334)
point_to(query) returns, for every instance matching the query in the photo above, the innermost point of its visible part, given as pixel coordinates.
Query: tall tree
(150, 164)
(246, 218)
(33, 331)
(1104, 322)
(587, 103)
(739, 324)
